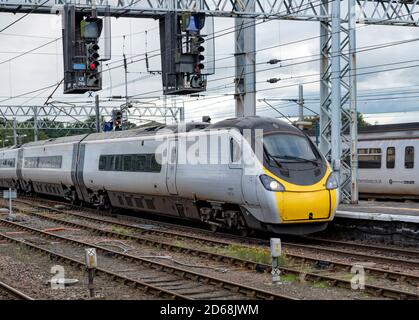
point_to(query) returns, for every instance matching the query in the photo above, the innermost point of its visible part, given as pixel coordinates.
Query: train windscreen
(289, 147)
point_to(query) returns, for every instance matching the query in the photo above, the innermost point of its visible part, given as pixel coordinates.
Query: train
(388, 161)
(242, 174)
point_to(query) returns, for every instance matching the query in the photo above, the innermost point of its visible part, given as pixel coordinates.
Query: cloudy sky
(384, 97)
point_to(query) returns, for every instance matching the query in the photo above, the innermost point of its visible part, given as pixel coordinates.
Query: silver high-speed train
(242, 173)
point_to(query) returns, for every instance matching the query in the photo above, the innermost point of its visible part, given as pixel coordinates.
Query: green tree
(315, 119)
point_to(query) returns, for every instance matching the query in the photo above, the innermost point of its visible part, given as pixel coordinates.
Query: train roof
(144, 131)
(377, 131)
(9, 148)
(255, 122)
(67, 139)
(390, 127)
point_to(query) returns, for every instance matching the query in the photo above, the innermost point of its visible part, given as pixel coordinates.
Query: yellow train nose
(305, 203)
(296, 206)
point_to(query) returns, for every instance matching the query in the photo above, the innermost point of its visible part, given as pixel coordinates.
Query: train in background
(388, 161)
(288, 187)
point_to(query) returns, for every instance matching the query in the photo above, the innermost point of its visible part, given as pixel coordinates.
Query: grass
(289, 277)
(180, 243)
(321, 284)
(259, 255)
(121, 230)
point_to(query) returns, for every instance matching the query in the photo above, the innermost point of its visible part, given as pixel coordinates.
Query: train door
(172, 156)
(247, 180)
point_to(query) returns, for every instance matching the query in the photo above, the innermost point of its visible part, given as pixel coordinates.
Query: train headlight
(271, 184)
(332, 181)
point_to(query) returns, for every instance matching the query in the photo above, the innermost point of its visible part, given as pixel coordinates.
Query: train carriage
(242, 173)
(46, 167)
(8, 164)
(388, 161)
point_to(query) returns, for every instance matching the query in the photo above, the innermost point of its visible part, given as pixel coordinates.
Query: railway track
(179, 235)
(375, 253)
(165, 281)
(14, 293)
(355, 246)
(252, 265)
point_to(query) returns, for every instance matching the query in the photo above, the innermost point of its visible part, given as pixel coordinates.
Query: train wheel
(213, 228)
(244, 232)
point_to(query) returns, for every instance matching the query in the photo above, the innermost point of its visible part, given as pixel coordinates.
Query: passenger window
(127, 163)
(234, 151)
(118, 163)
(409, 157)
(102, 162)
(140, 163)
(154, 165)
(391, 157)
(369, 158)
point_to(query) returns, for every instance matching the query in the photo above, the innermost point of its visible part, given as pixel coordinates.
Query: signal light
(93, 65)
(93, 80)
(117, 119)
(93, 74)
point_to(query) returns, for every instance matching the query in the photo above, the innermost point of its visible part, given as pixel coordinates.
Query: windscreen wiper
(287, 157)
(270, 157)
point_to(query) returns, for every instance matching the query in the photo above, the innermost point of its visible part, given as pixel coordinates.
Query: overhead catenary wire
(268, 69)
(109, 69)
(23, 17)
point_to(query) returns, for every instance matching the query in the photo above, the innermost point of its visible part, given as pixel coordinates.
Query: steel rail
(14, 292)
(376, 290)
(351, 254)
(401, 251)
(356, 246)
(345, 266)
(147, 288)
(236, 288)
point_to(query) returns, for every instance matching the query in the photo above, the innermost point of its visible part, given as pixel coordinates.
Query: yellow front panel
(300, 206)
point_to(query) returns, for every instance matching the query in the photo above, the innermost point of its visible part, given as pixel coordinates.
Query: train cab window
(409, 157)
(391, 157)
(234, 151)
(369, 158)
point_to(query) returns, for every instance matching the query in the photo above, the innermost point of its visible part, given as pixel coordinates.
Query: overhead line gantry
(337, 19)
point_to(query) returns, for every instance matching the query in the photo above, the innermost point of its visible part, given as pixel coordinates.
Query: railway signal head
(117, 119)
(92, 56)
(198, 49)
(92, 73)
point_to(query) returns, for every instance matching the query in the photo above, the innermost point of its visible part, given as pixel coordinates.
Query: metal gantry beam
(382, 12)
(8, 111)
(287, 9)
(43, 116)
(47, 125)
